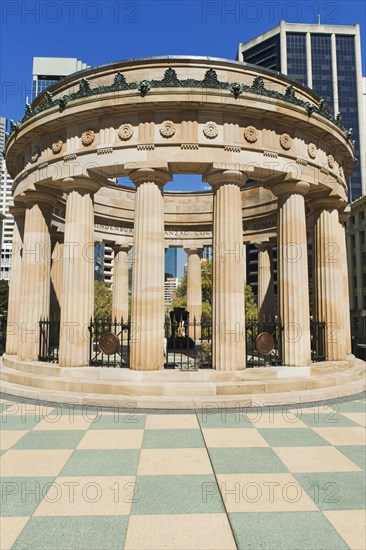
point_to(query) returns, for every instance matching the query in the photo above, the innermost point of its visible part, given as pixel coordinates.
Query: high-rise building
(6, 184)
(327, 59)
(49, 70)
(171, 263)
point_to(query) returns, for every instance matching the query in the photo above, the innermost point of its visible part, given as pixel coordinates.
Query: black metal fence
(187, 345)
(49, 340)
(109, 343)
(264, 344)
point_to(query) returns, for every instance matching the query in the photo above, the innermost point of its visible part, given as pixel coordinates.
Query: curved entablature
(194, 114)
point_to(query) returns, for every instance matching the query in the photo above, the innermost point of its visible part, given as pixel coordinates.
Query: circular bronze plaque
(264, 343)
(109, 343)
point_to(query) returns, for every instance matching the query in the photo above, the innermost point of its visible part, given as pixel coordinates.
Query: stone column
(36, 263)
(147, 308)
(78, 271)
(194, 290)
(228, 344)
(120, 283)
(292, 268)
(265, 282)
(56, 275)
(328, 274)
(343, 217)
(15, 283)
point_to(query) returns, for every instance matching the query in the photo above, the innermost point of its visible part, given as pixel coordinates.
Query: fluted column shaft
(56, 277)
(293, 281)
(78, 272)
(15, 283)
(147, 307)
(120, 283)
(228, 342)
(346, 299)
(329, 279)
(194, 290)
(36, 263)
(265, 283)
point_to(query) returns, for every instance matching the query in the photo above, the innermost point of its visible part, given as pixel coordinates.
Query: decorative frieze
(210, 130)
(312, 150)
(250, 134)
(57, 146)
(125, 132)
(87, 137)
(167, 129)
(285, 142)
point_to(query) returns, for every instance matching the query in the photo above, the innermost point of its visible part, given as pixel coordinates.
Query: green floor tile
(285, 531)
(102, 463)
(357, 453)
(352, 406)
(168, 439)
(76, 533)
(224, 420)
(19, 422)
(335, 490)
(336, 420)
(20, 496)
(288, 437)
(186, 494)
(248, 460)
(50, 439)
(119, 422)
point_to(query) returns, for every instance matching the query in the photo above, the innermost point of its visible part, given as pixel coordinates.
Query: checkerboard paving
(273, 478)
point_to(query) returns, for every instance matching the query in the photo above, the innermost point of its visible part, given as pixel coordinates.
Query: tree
(102, 299)
(251, 309)
(4, 295)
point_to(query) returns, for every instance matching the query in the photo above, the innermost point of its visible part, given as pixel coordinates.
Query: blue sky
(98, 32)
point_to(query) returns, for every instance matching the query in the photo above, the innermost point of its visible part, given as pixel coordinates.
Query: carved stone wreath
(312, 150)
(341, 172)
(35, 156)
(57, 146)
(250, 134)
(210, 130)
(125, 132)
(167, 129)
(331, 161)
(87, 137)
(285, 141)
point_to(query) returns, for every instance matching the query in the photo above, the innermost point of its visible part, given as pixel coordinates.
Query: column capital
(85, 185)
(327, 203)
(42, 198)
(344, 213)
(193, 250)
(290, 186)
(216, 178)
(263, 246)
(17, 208)
(120, 247)
(154, 175)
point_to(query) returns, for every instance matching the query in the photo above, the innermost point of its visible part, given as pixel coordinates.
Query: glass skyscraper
(171, 263)
(327, 59)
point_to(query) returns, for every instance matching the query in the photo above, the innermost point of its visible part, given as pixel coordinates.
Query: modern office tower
(6, 184)
(49, 70)
(327, 59)
(171, 263)
(170, 287)
(356, 251)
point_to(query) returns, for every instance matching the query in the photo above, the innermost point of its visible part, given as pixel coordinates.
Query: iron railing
(256, 357)
(121, 331)
(2, 334)
(317, 337)
(188, 345)
(49, 339)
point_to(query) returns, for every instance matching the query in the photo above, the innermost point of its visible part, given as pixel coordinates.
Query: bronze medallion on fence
(109, 343)
(264, 343)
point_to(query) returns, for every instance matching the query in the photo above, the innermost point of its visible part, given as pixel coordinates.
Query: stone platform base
(175, 389)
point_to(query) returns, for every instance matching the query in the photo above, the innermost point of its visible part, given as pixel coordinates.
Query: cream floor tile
(233, 437)
(183, 532)
(77, 422)
(18, 463)
(174, 462)
(342, 436)
(10, 528)
(9, 437)
(111, 439)
(264, 493)
(171, 421)
(278, 420)
(359, 418)
(86, 496)
(315, 459)
(351, 525)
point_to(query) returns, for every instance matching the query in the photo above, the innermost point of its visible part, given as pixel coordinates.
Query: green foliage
(251, 310)
(102, 299)
(4, 294)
